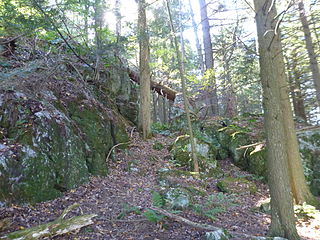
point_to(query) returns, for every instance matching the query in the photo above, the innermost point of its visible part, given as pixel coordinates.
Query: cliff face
(56, 129)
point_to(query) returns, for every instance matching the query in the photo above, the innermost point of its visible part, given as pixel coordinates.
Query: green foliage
(128, 209)
(161, 128)
(157, 200)
(153, 216)
(158, 146)
(209, 213)
(215, 204)
(306, 211)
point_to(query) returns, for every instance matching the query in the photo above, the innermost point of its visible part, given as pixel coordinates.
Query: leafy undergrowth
(123, 199)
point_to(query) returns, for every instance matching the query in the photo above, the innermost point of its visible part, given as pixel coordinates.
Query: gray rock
(217, 235)
(177, 198)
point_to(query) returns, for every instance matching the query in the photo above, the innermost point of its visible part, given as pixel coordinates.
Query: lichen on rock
(52, 139)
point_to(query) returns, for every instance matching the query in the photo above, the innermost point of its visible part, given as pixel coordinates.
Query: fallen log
(58, 227)
(162, 90)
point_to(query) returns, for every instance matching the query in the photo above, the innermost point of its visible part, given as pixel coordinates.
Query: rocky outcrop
(253, 157)
(54, 134)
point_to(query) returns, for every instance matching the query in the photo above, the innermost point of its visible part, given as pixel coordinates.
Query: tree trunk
(160, 109)
(154, 101)
(118, 19)
(271, 72)
(86, 21)
(311, 52)
(295, 88)
(98, 24)
(165, 110)
(144, 59)
(184, 92)
(231, 101)
(198, 45)
(208, 53)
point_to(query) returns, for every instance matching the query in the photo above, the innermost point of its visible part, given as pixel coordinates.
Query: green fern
(153, 216)
(157, 200)
(127, 209)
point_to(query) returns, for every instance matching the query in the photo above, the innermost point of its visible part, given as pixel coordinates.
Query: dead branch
(58, 227)
(251, 145)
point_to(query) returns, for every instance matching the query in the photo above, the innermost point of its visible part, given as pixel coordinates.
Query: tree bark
(294, 78)
(154, 102)
(198, 45)
(310, 48)
(118, 19)
(144, 59)
(208, 55)
(184, 92)
(98, 24)
(272, 74)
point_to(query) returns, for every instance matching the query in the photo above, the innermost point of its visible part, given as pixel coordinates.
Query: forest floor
(112, 196)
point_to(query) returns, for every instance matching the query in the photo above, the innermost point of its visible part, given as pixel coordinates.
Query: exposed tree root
(200, 225)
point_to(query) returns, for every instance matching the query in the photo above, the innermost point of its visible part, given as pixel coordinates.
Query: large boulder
(206, 154)
(52, 139)
(253, 159)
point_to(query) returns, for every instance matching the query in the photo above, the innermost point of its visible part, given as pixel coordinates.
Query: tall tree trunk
(184, 92)
(98, 24)
(198, 45)
(294, 78)
(160, 109)
(118, 19)
(144, 59)
(310, 48)
(165, 110)
(208, 53)
(86, 21)
(154, 102)
(271, 72)
(231, 101)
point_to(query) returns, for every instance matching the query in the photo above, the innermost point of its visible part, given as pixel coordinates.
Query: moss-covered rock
(51, 143)
(236, 185)
(219, 234)
(177, 198)
(206, 154)
(256, 161)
